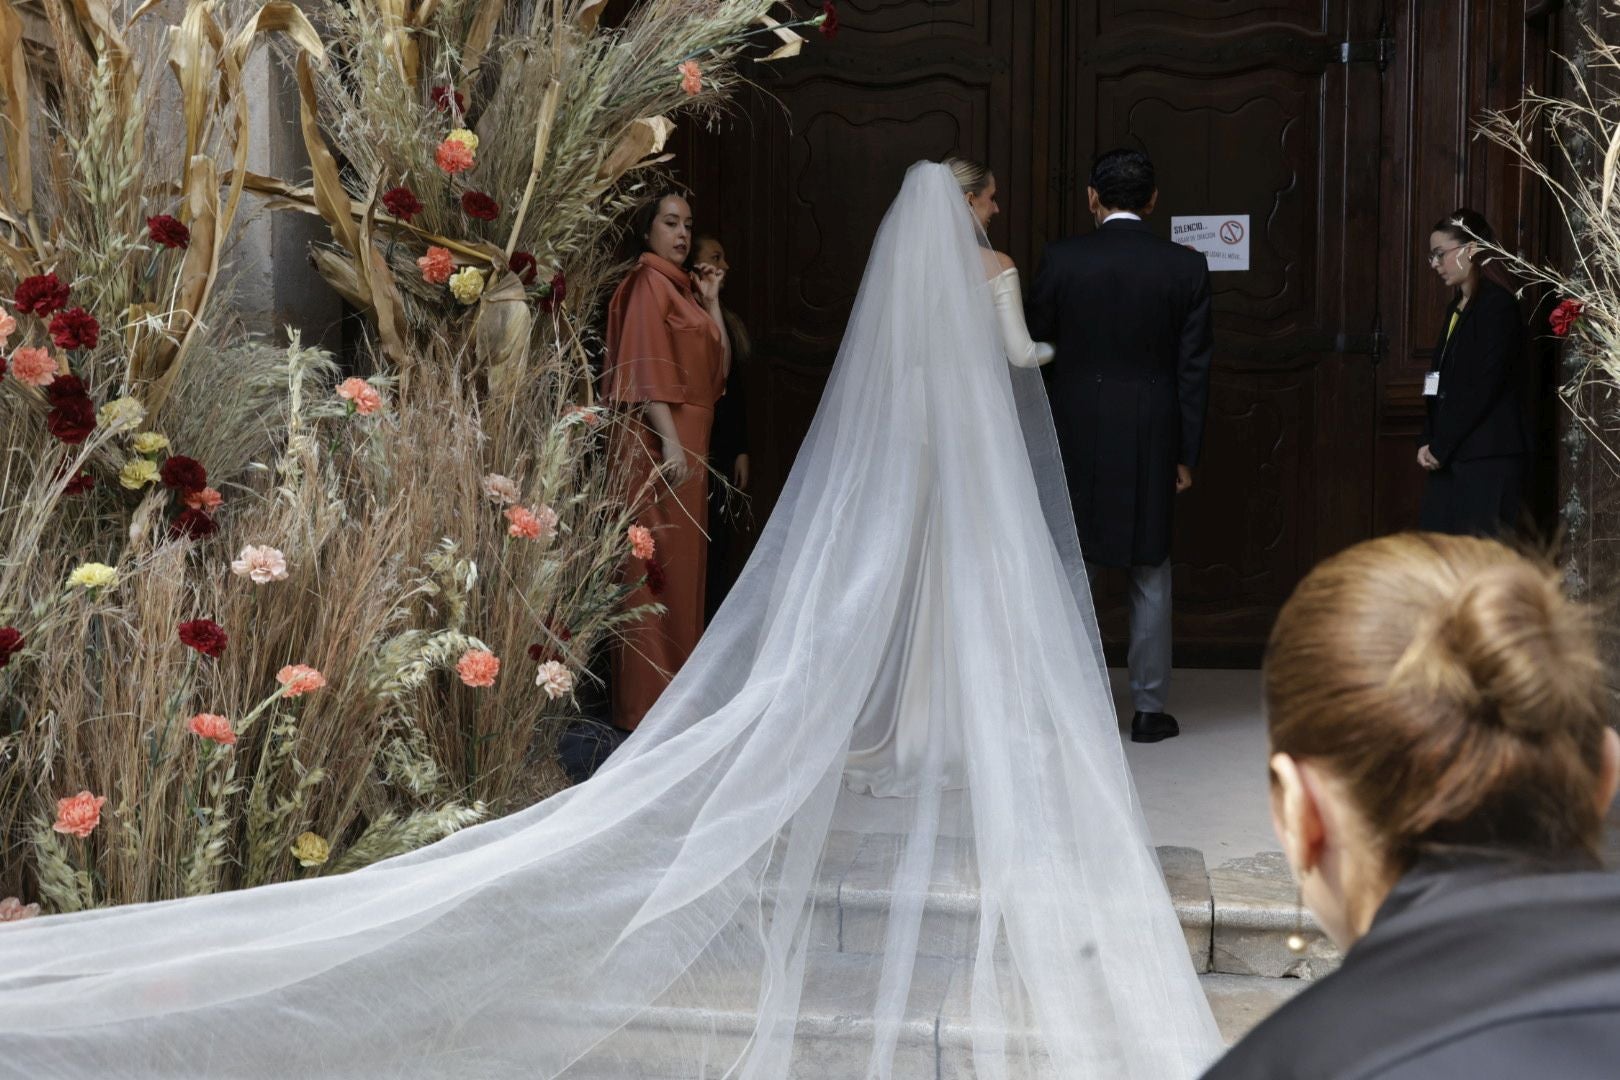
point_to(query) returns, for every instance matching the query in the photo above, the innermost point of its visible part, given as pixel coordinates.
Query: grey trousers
(1149, 655)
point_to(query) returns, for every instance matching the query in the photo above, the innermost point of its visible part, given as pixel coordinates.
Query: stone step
(1237, 918)
(835, 1028)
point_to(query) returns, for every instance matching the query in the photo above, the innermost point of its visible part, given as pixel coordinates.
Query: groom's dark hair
(1124, 179)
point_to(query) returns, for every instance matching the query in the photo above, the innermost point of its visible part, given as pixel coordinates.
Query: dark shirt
(1477, 967)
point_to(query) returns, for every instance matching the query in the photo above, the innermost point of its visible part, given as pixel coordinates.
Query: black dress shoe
(1153, 727)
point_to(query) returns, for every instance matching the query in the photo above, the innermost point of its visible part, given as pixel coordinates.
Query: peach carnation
(79, 815)
(691, 77)
(262, 564)
(205, 499)
(501, 489)
(361, 394)
(641, 542)
(437, 265)
(299, 679)
(454, 156)
(213, 727)
(524, 525)
(478, 667)
(555, 679)
(8, 326)
(36, 367)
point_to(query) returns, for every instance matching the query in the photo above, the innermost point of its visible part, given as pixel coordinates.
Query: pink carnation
(299, 679)
(555, 679)
(437, 265)
(36, 367)
(361, 394)
(453, 156)
(501, 489)
(262, 564)
(14, 910)
(213, 727)
(205, 499)
(641, 542)
(478, 667)
(79, 815)
(8, 326)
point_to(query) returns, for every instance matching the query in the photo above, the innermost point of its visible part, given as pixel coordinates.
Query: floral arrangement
(257, 622)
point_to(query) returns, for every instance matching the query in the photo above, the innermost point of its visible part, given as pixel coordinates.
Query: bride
(880, 825)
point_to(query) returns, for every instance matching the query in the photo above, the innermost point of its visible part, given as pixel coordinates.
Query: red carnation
(402, 203)
(543, 650)
(66, 388)
(80, 484)
(183, 474)
(556, 293)
(204, 635)
(72, 420)
(193, 525)
(655, 576)
(1564, 315)
(442, 97)
(829, 20)
(480, 206)
(41, 295)
(168, 231)
(11, 643)
(523, 265)
(75, 328)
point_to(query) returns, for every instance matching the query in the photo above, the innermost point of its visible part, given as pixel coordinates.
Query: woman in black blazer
(1474, 441)
(1441, 766)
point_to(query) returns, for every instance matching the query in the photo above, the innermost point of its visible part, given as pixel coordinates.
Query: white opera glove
(1021, 350)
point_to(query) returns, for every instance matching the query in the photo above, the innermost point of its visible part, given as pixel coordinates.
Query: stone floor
(1206, 789)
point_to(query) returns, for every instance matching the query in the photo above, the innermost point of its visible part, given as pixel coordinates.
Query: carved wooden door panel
(1269, 108)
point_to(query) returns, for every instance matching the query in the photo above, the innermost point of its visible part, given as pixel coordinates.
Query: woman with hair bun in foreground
(1441, 765)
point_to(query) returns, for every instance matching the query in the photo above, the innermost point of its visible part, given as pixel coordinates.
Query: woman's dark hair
(641, 222)
(1465, 226)
(1452, 688)
(1124, 180)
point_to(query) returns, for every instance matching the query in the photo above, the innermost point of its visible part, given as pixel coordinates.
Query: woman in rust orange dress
(668, 357)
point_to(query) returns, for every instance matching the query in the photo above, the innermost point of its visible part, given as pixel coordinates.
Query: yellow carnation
(94, 575)
(310, 849)
(467, 284)
(121, 415)
(464, 137)
(137, 473)
(150, 442)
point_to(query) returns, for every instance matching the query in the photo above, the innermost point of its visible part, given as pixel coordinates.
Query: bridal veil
(916, 610)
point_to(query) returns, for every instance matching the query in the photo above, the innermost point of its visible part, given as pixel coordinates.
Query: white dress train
(715, 901)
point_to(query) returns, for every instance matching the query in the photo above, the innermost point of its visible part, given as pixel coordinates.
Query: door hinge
(1380, 50)
(1380, 341)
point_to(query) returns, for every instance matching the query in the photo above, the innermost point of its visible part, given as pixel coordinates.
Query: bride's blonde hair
(973, 176)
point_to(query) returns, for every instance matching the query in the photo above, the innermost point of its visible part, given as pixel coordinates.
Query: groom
(1130, 316)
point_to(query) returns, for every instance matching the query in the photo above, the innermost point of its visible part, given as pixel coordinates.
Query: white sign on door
(1223, 238)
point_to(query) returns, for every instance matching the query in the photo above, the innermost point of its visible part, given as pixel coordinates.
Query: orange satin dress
(662, 346)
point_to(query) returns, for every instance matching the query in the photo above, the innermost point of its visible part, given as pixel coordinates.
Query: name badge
(1431, 384)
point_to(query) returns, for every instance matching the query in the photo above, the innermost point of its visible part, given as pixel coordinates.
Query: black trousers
(1481, 497)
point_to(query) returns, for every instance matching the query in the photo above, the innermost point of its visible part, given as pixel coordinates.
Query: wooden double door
(1282, 110)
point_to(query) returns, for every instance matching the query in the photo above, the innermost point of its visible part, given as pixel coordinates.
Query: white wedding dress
(726, 898)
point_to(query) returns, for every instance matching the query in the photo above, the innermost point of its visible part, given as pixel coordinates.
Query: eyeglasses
(1438, 255)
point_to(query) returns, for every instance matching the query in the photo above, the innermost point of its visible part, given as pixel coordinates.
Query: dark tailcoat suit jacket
(1129, 313)
(1472, 970)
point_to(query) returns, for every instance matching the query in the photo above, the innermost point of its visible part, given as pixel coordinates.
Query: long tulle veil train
(917, 598)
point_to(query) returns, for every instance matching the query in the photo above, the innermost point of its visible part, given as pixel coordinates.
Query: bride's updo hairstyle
(1453, 689)
(972, 176)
